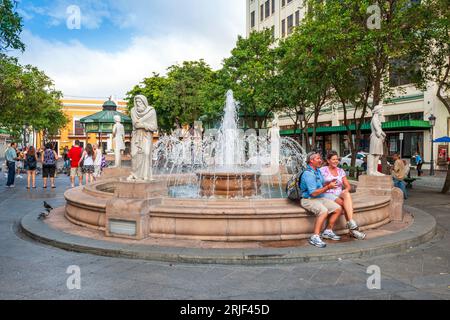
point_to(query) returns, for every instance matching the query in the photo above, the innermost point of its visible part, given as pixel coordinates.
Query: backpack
(292, 187)
(103, 164)
(49, 157)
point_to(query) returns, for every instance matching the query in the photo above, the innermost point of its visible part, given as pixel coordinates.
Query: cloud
(80, 71)
(154, 35)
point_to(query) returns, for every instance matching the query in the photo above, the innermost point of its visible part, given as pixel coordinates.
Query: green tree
(28, 99)
(10, 26)
(152, 88)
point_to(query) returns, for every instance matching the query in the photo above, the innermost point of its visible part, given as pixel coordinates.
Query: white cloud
(81, 71)
(162, 33)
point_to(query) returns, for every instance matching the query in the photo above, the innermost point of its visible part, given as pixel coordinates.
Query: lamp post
(432, 120)
(301, 118)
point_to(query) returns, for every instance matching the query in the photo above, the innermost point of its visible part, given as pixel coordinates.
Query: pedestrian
(19, 163)
(340, 194)
(66, 160)
(88, 163)
(419, 163)
(399, 174)
(48, 158)
(11, 158)
(30, 166)
(75, 170)
(97, 162)
(313, 200)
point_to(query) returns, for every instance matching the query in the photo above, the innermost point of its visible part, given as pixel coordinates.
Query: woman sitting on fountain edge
(341, 193)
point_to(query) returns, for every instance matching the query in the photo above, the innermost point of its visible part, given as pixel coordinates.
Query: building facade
(76, 109)
(407, 126)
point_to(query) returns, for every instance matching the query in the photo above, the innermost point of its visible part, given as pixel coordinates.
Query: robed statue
(145, 124)
(377, 138)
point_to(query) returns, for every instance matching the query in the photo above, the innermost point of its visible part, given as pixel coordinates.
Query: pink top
(328, 177)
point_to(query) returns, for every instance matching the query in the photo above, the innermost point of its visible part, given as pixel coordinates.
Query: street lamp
(432, 120)
(301, 118)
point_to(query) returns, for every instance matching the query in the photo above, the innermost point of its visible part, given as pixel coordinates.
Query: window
(252, 19)
(283, 28)
(290, 23)
(297, 18)
(261, 12)
(273, 31)
(273, 6)
(267, 5)
(283, 3)
(78, 128)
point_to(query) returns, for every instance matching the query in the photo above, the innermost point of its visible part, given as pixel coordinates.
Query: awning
(391, 125)
(442, 139)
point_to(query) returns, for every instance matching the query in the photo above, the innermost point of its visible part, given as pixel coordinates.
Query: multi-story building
(407, 126)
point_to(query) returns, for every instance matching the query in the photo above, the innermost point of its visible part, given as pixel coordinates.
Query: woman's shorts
(88, 169)
(48, 171)
(330, 196)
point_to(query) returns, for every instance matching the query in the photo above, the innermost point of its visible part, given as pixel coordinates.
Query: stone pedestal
(109, 173)
(128, 213)
(383, 186)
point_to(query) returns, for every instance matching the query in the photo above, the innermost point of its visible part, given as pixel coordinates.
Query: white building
(406, 115)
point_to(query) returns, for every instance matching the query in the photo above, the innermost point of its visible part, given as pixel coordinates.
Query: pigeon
(47, 206)
(43, 215)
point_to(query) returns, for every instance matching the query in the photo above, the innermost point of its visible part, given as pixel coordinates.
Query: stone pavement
(30, 270)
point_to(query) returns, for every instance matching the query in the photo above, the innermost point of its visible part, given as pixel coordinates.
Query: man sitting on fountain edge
(313, 200)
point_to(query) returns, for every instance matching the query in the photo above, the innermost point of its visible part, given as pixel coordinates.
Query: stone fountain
(224, 186)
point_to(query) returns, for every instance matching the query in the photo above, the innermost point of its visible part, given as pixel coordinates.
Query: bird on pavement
(47, 206)
(43, 215)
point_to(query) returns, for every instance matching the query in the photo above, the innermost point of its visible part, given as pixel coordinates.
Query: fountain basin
(228, 184)
(218, 219)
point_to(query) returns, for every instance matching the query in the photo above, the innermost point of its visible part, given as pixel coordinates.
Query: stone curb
(422, 230)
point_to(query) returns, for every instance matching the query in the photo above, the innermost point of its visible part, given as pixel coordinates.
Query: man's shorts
(319, 205)
(76, 172)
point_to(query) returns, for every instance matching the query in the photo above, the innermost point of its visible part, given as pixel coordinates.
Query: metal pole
(432, 154)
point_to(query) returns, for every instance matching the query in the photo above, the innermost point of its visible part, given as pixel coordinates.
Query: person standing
(97, 162)
(399, 173)
(75, 170)
(66, 160)
(11, 158)
(48, 158)
(88, 163)
(30, 166)
(419, 163)
(314, 201)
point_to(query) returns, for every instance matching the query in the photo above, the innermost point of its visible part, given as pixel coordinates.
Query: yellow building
(76, 109)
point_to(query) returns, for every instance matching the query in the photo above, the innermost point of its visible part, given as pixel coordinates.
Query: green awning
(391, 125)
(3, 131)
(103, 121)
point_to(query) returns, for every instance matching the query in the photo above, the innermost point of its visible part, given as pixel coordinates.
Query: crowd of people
(85, 163)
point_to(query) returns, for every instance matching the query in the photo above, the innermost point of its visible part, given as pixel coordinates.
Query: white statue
(376, 141)
(274, 134)
(118, 134)
(144, 124)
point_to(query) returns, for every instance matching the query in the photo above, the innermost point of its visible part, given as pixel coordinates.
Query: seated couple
(326, 192)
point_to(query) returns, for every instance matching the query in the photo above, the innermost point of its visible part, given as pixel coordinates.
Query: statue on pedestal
(118, 132)
(274, 134)
(376, 141)
(145, 123)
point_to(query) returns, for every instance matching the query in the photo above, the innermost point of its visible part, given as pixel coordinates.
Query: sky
(96, 49)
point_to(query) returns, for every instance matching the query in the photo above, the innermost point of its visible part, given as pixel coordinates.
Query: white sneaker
(329, 234)
(316, 241)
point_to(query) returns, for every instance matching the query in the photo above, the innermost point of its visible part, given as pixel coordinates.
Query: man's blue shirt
(10, 154)
(310, 182)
